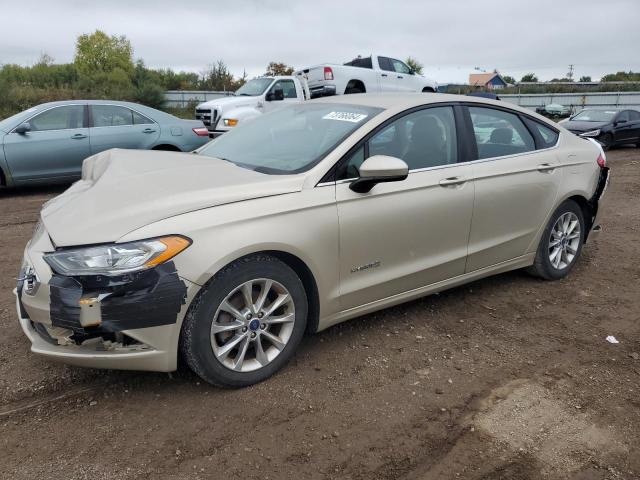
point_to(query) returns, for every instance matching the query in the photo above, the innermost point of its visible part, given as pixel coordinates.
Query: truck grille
(208, 117)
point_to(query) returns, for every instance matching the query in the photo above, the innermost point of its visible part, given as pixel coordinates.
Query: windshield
(13, 121)
(291, 139)
(254, 87)
(595, 116)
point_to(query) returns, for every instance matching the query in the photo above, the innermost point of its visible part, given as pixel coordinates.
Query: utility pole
(570, 73)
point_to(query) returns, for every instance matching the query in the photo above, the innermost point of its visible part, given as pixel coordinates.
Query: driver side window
(400, 67)
(287, 87)
(423, 139)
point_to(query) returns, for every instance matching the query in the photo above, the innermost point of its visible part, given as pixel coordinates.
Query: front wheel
(606, 141)
(561, 243)
(246, 323)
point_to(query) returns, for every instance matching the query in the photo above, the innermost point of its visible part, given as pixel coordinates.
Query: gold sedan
(300, 219)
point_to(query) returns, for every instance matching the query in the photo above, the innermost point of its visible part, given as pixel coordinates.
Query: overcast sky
(450, 37)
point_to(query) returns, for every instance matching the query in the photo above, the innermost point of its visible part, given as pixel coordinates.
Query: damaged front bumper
(130, 322)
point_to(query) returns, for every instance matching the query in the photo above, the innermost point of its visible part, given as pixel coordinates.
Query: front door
(404, 80)
(288, 88)
(407, 234)
(515, 186)
(53, 148)
(116, 126)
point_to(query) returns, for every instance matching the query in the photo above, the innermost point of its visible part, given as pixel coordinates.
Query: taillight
(602, 160)
(201, 131)
(328, 73)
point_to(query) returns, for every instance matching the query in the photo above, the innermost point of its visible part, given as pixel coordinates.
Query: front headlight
(230, 122)
(591, 133)
(116, 258)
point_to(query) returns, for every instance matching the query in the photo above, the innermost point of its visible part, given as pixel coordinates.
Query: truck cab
(257, 96)
(372, 74)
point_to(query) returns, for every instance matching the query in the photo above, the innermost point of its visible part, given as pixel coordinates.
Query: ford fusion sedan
(300, 219)
(609, 127)
(47, 143)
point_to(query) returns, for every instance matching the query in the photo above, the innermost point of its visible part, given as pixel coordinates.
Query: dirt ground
(506, 378)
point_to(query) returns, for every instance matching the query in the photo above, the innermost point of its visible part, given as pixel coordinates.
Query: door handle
(78, 136)
(452, 181)
(546, 167)
(400, 76)
(383, 75)
(148, 130)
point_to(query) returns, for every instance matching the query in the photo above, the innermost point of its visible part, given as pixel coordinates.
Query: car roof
(92, 102)
(402, 101)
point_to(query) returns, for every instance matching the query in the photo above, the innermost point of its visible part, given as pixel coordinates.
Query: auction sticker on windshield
(345, 116)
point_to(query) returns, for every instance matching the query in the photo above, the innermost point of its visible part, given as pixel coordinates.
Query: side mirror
(23, 128)
(622, 120)
(412, 71)
(379, 169)
(277, 94)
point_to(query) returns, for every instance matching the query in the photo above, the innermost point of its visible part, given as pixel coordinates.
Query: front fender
(5, 172)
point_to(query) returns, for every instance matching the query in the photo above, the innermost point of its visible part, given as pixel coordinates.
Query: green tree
(100, 53)
(277, 68)
(217, 77)
(414, 65)
(529, 77)
(622, 77)
(585, 78)
(509, 79)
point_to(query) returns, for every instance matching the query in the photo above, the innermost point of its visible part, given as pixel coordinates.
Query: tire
(560, 265)
(607, 141)
(209, 341)
(351, 90)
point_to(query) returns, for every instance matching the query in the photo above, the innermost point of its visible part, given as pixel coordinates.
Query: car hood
(582, 126)
(225, 103)
(123, 190)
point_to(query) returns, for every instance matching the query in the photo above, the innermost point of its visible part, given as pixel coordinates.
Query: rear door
(386, 75)
(54, 148)
(408, 234)
(516, 179)
(626, 130)
(116, 126)
(634, 120)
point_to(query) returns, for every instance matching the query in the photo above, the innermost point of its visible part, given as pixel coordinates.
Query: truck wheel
(352, 90)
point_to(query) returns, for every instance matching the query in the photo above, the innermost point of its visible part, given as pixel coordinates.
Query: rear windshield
(290, 140)
(360, 62)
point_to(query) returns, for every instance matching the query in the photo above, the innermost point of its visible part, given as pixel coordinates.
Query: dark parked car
(609, 127)
(47, 143)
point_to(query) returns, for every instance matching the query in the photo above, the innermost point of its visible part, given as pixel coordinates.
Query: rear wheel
(246, 323)
(561, 243)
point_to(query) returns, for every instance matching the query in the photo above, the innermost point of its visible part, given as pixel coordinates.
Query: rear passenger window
(634, 115)
(139, 119)
(499, 133)
(549, 137)
(111, 116)
(385, 64)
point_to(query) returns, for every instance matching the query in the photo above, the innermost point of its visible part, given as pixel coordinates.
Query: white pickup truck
(365, 74)
(254, 98)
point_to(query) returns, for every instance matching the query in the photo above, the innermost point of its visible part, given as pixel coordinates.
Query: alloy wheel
(564, 241)
(252, 325)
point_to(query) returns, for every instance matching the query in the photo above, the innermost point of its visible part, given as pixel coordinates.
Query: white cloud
(449, 38)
